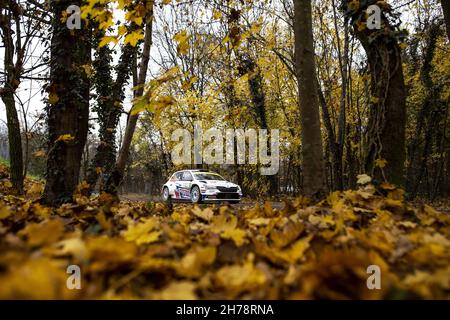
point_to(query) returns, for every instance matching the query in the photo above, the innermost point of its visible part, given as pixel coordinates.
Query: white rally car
(198, 186)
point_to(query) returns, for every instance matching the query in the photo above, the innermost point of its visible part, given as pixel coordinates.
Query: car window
(187, 176)
(208, 176)
(179, 176)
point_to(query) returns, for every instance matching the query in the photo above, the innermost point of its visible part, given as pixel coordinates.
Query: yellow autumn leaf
(182, 290)
(364, 179)
(134, 37)
(380, 163)
(217, 14)
(182, 38)
(238, 278)
(75, 247)
(108, 39)
(192, 264)
(65, 138)
(43, 233)
(88, 70)
(142, 232)
(5, 212)
(205, 214)
(53, 98)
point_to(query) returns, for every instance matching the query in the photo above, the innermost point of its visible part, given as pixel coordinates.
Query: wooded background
(348, 99)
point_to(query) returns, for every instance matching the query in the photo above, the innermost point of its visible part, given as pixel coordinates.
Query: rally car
(199, 186)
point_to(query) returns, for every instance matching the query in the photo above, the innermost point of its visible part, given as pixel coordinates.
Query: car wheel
(196, 196)
(166, 194)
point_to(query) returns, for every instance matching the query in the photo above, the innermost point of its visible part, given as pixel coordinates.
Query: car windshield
(208, 176)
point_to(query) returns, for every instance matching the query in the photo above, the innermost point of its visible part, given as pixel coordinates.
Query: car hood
(219, 183)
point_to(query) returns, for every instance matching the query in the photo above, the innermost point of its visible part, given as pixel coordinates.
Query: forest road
(245, 204)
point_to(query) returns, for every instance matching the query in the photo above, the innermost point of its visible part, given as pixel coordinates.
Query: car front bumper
(217, 196)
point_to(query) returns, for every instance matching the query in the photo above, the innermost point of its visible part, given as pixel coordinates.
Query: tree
(385, 145)
(68, 105)
(446, 11)
(116, 176)
(110, 95)
(19, 24)
(312, 152)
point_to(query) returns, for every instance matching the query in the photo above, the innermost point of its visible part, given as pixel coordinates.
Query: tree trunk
(68, 109)
(387, 118)
(15, 143)
(12, 75)
(312, 152)
(430, 103)
(331, 137)
(255, 83)
(117, 174)
(446, 10)
(110, 97)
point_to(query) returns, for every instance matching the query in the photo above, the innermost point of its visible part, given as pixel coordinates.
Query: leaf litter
(132, 250)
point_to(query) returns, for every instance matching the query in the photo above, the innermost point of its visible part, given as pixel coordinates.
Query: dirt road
(145, 198)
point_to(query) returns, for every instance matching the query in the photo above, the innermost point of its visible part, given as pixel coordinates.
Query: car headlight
(210, 187)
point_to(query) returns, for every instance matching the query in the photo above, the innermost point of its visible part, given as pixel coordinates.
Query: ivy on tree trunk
(68, 107)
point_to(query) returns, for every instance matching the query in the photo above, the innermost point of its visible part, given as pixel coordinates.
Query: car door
(186, 185)
(178, 184)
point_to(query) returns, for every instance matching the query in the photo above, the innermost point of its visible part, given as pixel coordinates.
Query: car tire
(196, 196)
(166, 195)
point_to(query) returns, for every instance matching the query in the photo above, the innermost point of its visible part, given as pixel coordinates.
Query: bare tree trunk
(343, 67)
(414, 171)
(68, 109)
(116, 176)
(312, 152)
(13, 72)
(331, 136)
(15, 143)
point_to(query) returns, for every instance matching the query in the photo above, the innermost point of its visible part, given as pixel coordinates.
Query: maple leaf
(363, 179)
(134, 37)
(108, 39)
(192, 264)
(205, 214)
(46, 232)
(182, 290)
(182, 38)
(142, 232)
(380, 163)
(5, 212)
(238, 278)
(290, 255)
(107, 252)
(74, 246)
(40, 278)
(66, 138)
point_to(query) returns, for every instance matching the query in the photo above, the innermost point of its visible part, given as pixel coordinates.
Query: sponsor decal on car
(182, 193)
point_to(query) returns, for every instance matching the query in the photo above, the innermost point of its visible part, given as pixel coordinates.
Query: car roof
(197, 171)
